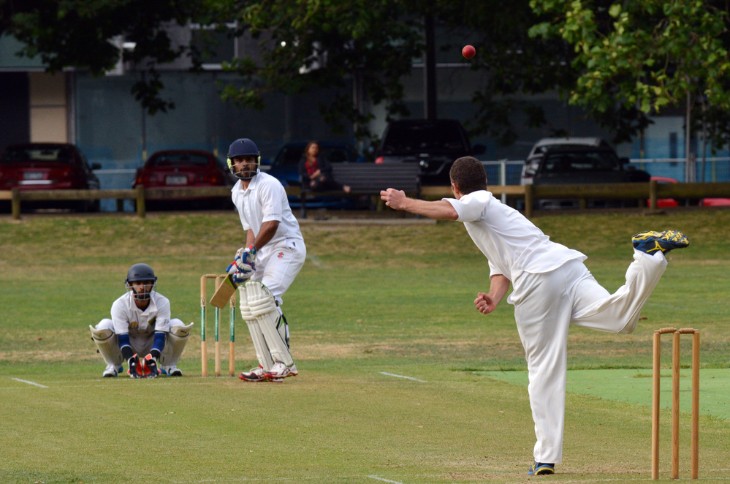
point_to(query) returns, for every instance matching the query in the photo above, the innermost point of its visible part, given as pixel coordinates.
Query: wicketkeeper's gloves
(150, 363)
(135, 368)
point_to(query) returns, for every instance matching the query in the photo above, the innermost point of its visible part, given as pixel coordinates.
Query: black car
(577, 165)
(433, 144)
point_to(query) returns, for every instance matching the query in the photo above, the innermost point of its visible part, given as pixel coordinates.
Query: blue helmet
(141, 273)
(243, 147)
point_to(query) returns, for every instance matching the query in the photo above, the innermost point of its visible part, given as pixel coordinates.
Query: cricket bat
(222, 296)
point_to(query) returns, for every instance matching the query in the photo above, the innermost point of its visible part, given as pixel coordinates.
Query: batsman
(267, 264)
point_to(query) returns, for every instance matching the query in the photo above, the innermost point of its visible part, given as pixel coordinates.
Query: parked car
(664, 202)
(433, 144)
(670, 202)
(174, 169)
(285, 166)
(715, 202)
(49, 166)
(568, 142)
(559, 164)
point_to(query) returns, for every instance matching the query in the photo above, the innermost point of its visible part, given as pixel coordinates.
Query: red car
(49, 166)
(670, 202)
(175, 169)
(664, 202)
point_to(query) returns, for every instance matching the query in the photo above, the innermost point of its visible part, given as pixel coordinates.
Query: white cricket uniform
(280, 260)
(127, 318)
(551, 289)
(277, 263)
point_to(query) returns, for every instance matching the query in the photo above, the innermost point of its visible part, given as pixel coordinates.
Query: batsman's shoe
(280, 371)
(541, 469)
(653, 242)
(255, 375)
(111, 371)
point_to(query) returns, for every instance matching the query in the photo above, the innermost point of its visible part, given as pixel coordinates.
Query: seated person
(316, 173)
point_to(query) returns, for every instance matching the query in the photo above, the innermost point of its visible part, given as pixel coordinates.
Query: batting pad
(108, 346)
(175, 343)
(257, 337)
(263, 306)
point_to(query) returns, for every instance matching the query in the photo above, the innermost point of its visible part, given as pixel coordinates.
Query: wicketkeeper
(140, 330)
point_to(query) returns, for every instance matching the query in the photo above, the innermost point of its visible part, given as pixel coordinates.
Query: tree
(308, 45)
(80, 33)
(646, 57)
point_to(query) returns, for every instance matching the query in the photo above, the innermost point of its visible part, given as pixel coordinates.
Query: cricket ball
(468, 51)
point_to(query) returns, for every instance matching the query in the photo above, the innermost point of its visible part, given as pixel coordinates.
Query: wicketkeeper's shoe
(111, 371)
(280, 371)
(255, 375)
(541, 469)
(653, 242)
(172, 371)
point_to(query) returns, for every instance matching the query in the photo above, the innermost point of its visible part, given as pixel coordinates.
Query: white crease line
(30, 383)
(402, 376)
(384, 480)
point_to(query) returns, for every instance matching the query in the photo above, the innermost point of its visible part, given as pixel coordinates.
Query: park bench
(365, 180)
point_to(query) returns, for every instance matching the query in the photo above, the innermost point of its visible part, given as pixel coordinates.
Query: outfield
(401, 380)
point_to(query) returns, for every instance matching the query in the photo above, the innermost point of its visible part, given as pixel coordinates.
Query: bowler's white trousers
(545, 307)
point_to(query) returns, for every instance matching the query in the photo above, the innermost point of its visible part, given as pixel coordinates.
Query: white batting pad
(263, 305)
(263, 355)
(175, 343)
(107, 344)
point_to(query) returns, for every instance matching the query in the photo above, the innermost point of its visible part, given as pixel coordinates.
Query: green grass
(374, 303)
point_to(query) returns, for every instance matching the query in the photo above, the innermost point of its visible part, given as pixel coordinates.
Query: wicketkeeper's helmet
(140, 273)
(243, 147)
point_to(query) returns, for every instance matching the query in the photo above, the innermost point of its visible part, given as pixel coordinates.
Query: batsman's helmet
(140, 273)
(243, 147)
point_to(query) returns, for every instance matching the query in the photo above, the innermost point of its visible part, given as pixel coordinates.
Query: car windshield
(58, 154)
(405, 138)
(581, 162)
(174, 159)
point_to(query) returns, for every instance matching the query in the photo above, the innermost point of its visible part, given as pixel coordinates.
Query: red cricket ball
(468, 51)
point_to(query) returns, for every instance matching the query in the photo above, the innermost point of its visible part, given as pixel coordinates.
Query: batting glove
(245, 259)
(239, 278)
(151, 370)
(135, 368)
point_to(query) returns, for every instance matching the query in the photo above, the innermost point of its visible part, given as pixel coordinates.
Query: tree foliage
(80, 33)
(307, 44)
(646, 56)
(621, 61)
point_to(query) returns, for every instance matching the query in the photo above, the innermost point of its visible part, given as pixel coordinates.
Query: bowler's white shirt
(265, 200)
(511, 243)
(128, 318)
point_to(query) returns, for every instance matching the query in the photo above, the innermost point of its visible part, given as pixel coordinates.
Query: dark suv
(577, 165)
(433, 144)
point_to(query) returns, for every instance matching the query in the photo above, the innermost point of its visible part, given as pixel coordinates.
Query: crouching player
(140, 330)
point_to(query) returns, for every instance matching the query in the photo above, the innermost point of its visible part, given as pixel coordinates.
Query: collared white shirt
(511, 243)
(127, 318)
(265, 200)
